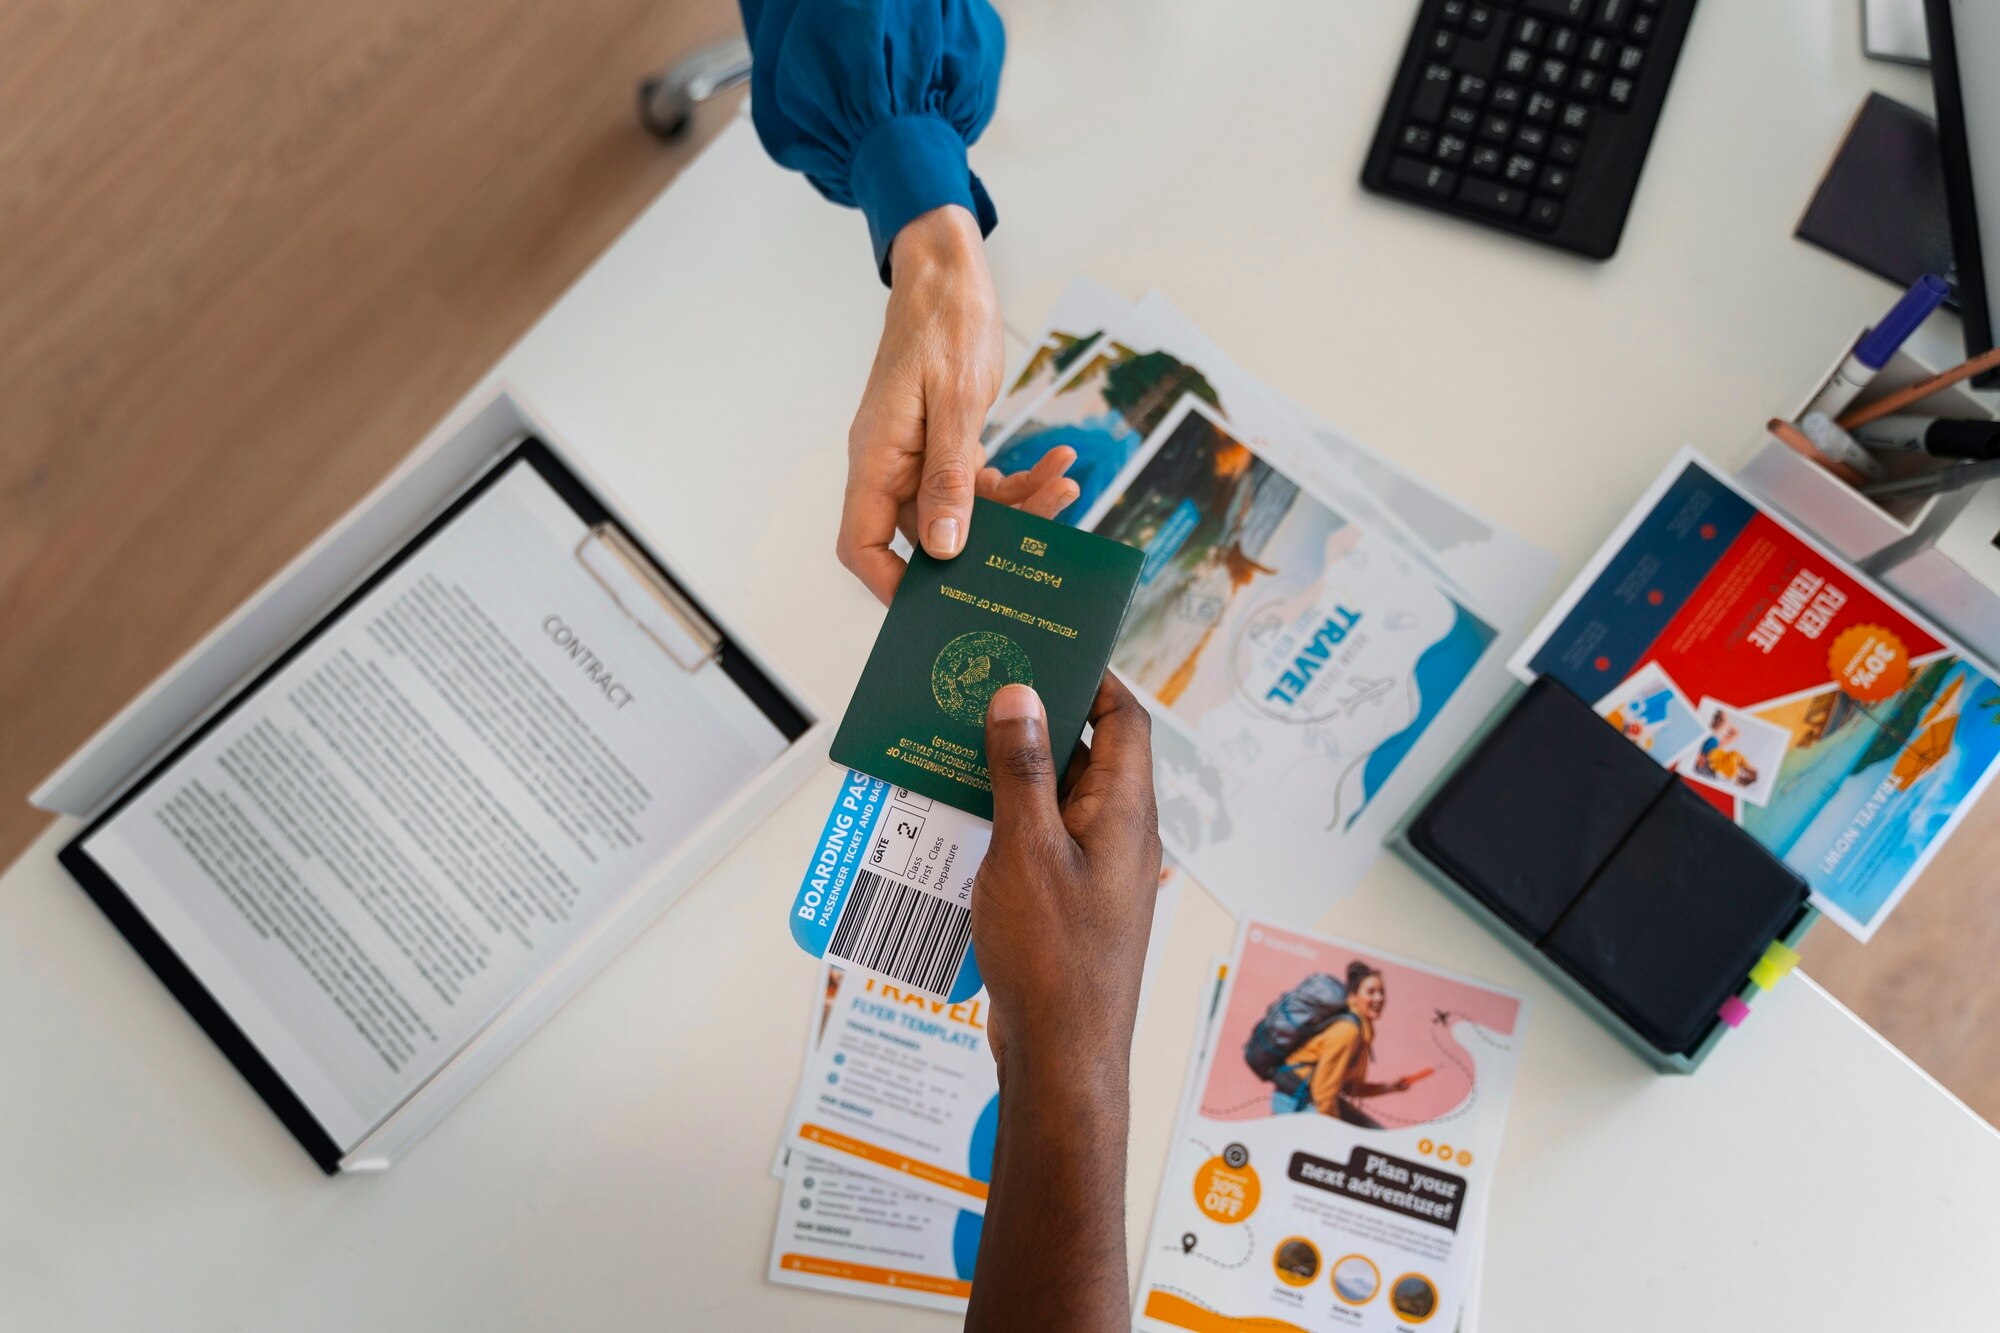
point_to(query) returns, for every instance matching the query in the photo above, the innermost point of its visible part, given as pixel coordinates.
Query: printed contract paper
(428, 807)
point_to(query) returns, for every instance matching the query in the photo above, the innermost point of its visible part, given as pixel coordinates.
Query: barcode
(902, 932)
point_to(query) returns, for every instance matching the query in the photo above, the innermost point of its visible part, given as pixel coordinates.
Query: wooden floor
(250, 250)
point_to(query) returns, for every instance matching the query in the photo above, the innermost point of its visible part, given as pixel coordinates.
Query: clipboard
(650, 596)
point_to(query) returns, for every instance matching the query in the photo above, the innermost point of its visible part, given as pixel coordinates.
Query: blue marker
(1878, 344)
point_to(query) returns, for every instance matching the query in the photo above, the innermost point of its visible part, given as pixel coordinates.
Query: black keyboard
(1532, 116)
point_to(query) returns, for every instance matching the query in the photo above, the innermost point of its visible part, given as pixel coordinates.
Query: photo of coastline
(1104, 412)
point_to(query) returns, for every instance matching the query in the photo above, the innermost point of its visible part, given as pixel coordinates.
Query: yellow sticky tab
(1779, 958)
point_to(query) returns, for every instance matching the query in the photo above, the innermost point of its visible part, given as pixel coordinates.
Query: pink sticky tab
(1733, 1011)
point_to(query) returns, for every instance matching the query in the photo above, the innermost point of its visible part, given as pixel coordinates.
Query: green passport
(1028, 601)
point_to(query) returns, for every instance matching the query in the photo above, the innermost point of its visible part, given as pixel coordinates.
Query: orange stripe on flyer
(908, 1166)
(1182, 1313)
(881, 1277)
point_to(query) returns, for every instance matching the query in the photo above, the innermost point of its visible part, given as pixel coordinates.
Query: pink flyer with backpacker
(1331, 1168)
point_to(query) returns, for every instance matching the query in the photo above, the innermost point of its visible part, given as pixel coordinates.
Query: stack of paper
(1316, 631)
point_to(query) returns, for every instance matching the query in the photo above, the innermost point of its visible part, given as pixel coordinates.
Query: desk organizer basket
(1686, 1062)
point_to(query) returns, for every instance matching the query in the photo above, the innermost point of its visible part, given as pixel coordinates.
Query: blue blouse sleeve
(876, 101)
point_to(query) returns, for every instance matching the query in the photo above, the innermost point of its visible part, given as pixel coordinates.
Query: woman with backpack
(1334, 1063)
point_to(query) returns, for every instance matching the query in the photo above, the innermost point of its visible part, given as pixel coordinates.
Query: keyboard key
(1471, 87)
(1567, 151)
(1562, 11)
(1553, 73)
(1461, 120)
(1519, 61)
(1475, 55)
(1452, 13)
(1530, 30)
(1576, 118)
(1620, 92)
(1442, 42)
(1496, 129)
(1630, 58)
(1432, 89)
(1451, 149)
(1520, 169)
(1506, 200)
(1428, 177)
(1588, 85)
(1531, 139)
(1643, 27)
(1508, 99)
(1478, 20)
(1416, 139)
(1542, 107)
(1564, 42)
(1486, 159)
(1598, 51)
(1545, 213)
(1555, 180)
(1611, 15)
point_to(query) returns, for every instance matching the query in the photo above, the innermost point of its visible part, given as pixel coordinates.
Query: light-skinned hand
(914, 460)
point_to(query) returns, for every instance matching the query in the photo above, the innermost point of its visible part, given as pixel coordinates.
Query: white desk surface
(612, 1174)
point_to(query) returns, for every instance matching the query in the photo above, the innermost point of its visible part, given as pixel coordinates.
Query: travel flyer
(902, 1087)
(1216, 812)
(841, 1231)
(1331, 1169)
(1832, 723)
(1304, 649)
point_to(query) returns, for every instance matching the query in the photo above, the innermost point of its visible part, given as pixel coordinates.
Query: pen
(1933, 483)
(1877, 344)
(1938, 437)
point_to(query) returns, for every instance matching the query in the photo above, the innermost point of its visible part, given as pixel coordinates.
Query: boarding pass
(889, 888)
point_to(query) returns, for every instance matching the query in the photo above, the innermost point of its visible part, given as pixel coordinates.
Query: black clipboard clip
(648, 600)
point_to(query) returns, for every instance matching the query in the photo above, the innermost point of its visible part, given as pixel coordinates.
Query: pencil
(1922, 389)
(1800, 444)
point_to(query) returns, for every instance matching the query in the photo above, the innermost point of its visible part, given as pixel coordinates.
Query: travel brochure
(1834, 724)
(1272, 630)
(849, 1227)
(889, 1143)
(1332, 1160)
(901, 1087)
(1315, 647)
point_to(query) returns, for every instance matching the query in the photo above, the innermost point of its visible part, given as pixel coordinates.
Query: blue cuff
(906, 166)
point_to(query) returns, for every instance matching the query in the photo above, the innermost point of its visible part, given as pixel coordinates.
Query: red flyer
(1837, 726)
